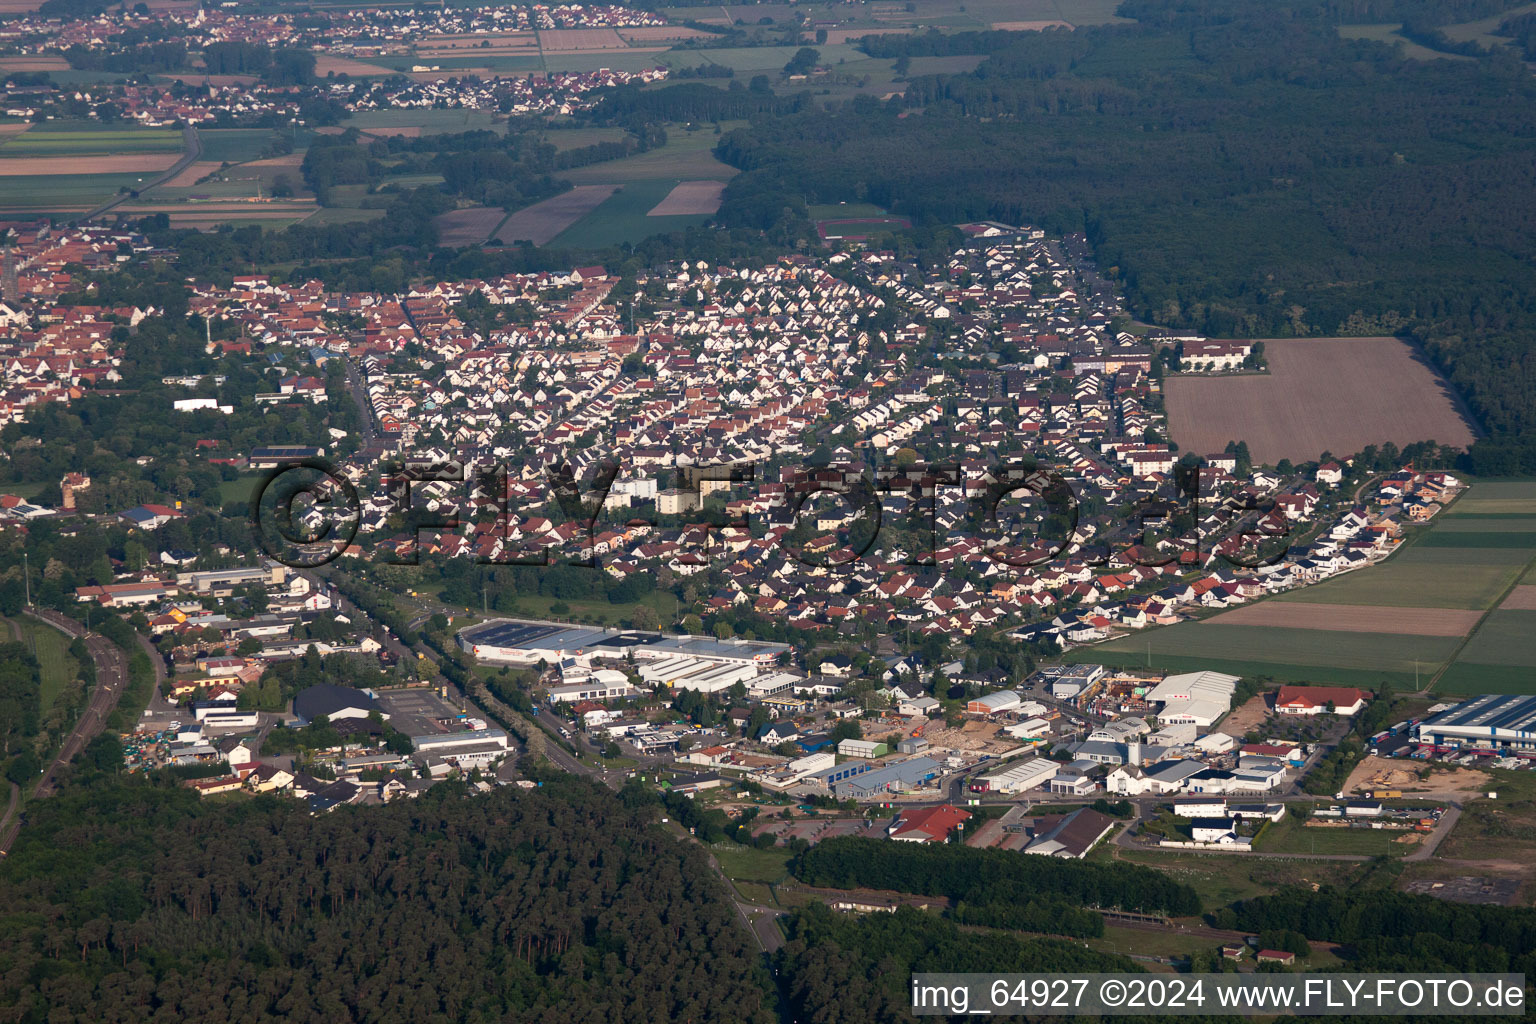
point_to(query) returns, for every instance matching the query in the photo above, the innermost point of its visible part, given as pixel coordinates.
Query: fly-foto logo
(307, 514)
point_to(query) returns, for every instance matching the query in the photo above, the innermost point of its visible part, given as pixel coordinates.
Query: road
(372, 449)
(189, 156)
(111, 679)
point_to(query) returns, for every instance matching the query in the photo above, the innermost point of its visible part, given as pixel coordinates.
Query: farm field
(338, 215)
(1421, 576)
(687, 156)
(61, 193)
(1522, 598)
(1388, 34)
(1498, 497)
(235, 145)
(328, 64)
(690, 198)
(469, 226)
(428, 121)
(636, 58)
(581, 39)
(480, 64)
(625, 216)
(1415, 617)
(1349, 659)
(1355, 619)
(86, 138)
(1506, 637)
(544, 220)
(1309, 402)
(138, 163)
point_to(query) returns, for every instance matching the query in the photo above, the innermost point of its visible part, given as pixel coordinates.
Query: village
(727, 404)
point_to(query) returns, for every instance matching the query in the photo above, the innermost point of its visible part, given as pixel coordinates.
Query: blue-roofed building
(1498, 722)
(893, 778)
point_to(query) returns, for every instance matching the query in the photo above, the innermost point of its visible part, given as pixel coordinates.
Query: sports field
(1320, 394)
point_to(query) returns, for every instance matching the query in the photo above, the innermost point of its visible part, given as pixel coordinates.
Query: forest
(1393, 931)
(131, 900)
(984, 876)
(1239, 168)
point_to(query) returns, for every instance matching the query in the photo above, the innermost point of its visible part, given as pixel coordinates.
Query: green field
(334, 215)
(622, 218)
(1504, 638)
(1300, 654)
(235, 145)
(430, 121)
(1289, 835)
(748, 864)
(1388, 34)
(446, 65)
(575, 138)
(1423, 575)
(56, 665)
(687, 156)
(41, 192)
(1468, 678)
(64, 139)
(1496, 497)
(1481, 31)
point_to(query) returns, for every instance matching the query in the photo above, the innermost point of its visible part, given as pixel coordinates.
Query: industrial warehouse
(1493, 721)
(503, 641)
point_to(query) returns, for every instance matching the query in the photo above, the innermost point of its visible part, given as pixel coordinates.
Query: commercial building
(272, 456)
(333, 703)
(1318, 700)
(992, 703)
(1496, 722)
(861, 748)
(1030, 773)
(893, 778)
(698, 674)
(1193, 698)
(1071, 837)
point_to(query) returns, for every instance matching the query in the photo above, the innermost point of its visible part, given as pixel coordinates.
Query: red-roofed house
(1314, 700)
(928, 824)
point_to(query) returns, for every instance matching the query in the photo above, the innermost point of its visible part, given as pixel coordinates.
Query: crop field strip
(1352, 619)
(1431, 613)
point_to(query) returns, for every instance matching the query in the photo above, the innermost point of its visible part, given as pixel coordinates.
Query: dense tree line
(857, 969)
(972, 875)
(1395, 931)
(132, 901)
(20, 708)
(150, 58)
(1053, 917)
